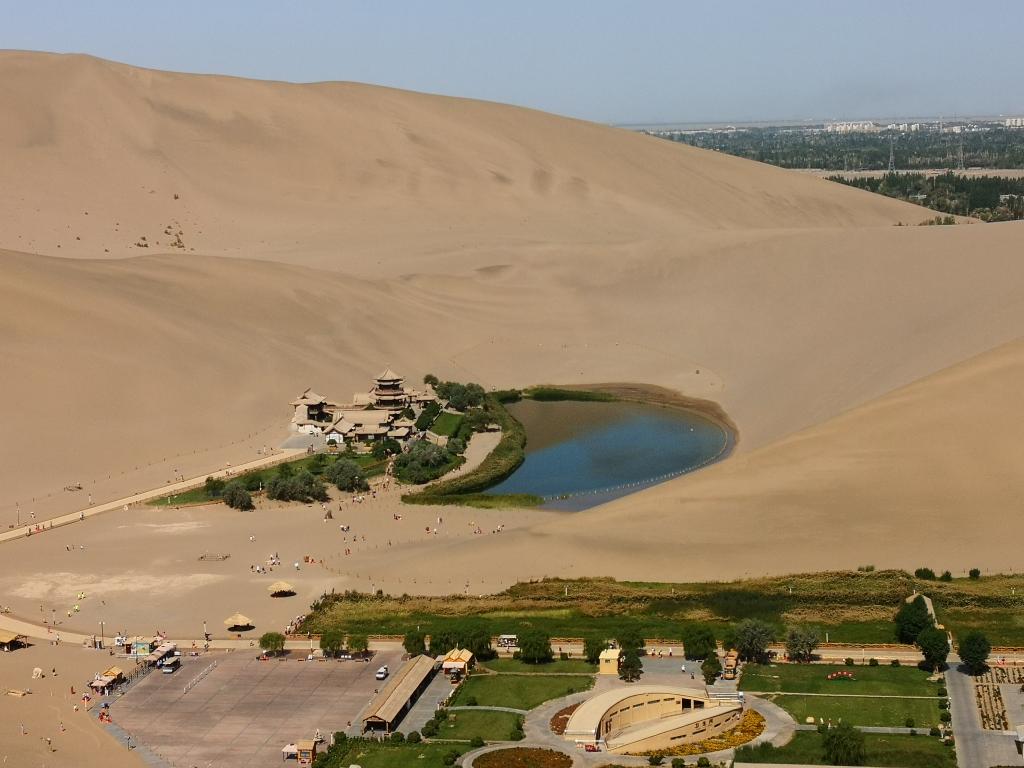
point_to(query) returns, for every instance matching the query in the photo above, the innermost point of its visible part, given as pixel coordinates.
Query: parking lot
(244, 711)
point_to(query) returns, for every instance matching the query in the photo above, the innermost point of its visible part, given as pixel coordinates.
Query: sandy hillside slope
(339, 228)
(354, 177)
(928, 475)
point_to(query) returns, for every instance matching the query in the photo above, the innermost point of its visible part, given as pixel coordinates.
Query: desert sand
(309, 235)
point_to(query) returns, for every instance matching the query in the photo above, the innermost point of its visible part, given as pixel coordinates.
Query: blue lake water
(582, 454)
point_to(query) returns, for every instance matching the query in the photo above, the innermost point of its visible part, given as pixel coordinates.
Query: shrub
(471, 701)
(655, 760)
(944, 704)
(974, 573)
(413, 737)
(563, 656)
(894, 663)
(441, 715)
(703, 762)
(945, 716)
(849, 661)
(476, 742)
(872, 662)
(942, 691)
(946, 576)
(908, 723)
(236, 497)
(397, 737)
(213, 487)
(934, 731)
(451, 756)
(429, 729)
(926, 574)
(844, 745)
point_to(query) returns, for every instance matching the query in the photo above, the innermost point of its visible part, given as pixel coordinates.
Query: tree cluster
(346, 475)
(422, 462)
(460, 396)
(535, 646)
(475, 638)
(301, 486)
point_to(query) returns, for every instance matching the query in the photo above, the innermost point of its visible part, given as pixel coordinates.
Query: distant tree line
(990, 198)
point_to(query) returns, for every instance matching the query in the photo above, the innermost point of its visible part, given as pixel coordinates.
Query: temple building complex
(386, 412)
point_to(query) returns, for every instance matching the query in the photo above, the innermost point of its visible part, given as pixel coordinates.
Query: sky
(615, 62)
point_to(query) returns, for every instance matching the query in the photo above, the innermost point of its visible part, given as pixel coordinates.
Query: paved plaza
(245, 710)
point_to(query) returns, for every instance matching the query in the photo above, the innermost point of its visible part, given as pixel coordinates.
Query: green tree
(431, 379)
(753, 637)
(385, 447)
(844, 745)
(331, 641)
(592, 647)
(347, 476)
(801, 642)
(974, 573)
(629, 637)
(442, 641)
(934, 647)
(711, 668)
(699, 641)
(534, 646)
(974, 650)
(213, 487)
(358, 643)
(414, 642)
(911, 618)
(236, 497)
(631, 667)
(272, 642)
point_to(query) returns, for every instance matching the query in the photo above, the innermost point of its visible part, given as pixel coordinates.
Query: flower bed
(523, 757)
(561, 719)
(750, 728)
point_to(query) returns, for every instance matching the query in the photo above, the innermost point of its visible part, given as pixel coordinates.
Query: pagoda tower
(389, 391)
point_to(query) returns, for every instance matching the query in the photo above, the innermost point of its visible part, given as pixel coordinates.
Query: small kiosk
(608, 662)
(305, 751)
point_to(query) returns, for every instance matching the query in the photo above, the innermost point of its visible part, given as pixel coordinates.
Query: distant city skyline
(614, 62)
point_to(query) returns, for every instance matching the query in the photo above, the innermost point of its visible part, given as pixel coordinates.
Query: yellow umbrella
(238, 620)
(281, 588)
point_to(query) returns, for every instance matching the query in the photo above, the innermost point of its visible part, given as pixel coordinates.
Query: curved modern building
(648, 718)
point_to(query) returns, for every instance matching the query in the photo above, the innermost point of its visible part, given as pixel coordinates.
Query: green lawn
(901, 751)
(862, 711)
(489, 726)
(856, 631)
(446, 424)
(811, 678)
(369, 754)
(519, 691)
(575, 666)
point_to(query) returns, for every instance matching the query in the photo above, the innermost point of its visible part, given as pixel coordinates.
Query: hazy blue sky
(605, 61)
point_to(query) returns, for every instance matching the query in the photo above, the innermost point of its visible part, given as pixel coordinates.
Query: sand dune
(339, 227)
(355, 177)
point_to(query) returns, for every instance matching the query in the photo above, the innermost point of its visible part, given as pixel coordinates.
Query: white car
(382, 673)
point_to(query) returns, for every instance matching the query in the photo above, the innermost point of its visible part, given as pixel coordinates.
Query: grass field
(882, 680)
(861, 711)
(850, 606)
(489, 726)
(884, 751)
(446, 424)
(369, 754)
(519, 691)
(575, 666)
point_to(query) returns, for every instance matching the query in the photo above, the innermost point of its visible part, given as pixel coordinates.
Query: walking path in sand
(164, 490)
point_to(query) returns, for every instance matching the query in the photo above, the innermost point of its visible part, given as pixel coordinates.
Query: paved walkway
(491, 709)
(138, 498)
(975, 746)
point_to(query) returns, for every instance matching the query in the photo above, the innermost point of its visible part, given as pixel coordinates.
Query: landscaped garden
(489, 725)
(561, 666)
(523, 757)
(855, 710)
(388, 754)
(883, 680)
(518, 691)
(882, 750)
